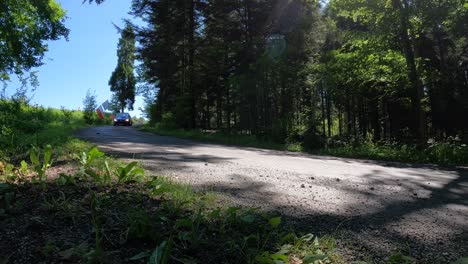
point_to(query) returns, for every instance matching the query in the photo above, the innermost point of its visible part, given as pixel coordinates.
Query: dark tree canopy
(298, 71)
(122, 81)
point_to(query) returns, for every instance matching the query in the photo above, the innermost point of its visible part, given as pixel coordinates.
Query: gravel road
(375, 208)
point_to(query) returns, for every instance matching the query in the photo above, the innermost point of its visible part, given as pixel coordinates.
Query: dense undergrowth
(23, 125)
(449, 152)
(111, 212)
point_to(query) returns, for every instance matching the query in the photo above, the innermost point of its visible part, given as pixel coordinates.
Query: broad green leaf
(307, 238)
(47, 157)
(279, 257)
(130, 166)
(161, 254)
(24, 166)
(34, 156)
(275, 221)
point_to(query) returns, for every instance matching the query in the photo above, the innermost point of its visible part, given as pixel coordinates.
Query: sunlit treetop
(25, 26)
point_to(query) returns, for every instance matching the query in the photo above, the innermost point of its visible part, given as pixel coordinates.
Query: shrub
(90, 105)
(23, 125)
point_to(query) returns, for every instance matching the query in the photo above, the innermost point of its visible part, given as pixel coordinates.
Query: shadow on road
(381, 232)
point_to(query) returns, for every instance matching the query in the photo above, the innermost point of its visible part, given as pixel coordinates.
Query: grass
(450, 152)
(24, 125)
(97, 218)
(442, 153)
(217, 137)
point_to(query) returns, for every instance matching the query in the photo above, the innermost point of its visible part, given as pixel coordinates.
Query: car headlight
(115, 120)
(126, 120)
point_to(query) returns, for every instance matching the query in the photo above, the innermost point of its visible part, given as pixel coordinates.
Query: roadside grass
(23, 125)
(441, 153)
(215, 137)
(450, 152)
(112, 212)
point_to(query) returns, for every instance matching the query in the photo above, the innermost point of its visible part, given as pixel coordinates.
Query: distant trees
(89, 107)
(402, 65)
(122, 82)
(213, 65)
(297, 71)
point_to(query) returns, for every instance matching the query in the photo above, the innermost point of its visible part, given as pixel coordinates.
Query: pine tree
(122, 81)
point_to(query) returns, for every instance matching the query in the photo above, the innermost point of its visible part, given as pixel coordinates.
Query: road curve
(379, 207)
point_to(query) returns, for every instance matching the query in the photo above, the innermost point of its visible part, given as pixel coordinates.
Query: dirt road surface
(375, 208)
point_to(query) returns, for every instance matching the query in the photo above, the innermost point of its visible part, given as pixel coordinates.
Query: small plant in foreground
(41, 168)
(130, 173)
(88, 158)
(97, 254)
(162, 253)
(65, 179)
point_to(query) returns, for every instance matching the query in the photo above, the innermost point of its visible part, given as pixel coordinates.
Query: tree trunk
(329, 118)
(322, 105)
(417, 86)
(191, 64)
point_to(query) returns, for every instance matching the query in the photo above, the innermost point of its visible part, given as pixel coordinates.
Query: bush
(90, 105)
(168, 121)
(313, 140)
(23, 125)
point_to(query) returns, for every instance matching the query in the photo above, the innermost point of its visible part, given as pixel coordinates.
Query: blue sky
(84, 62)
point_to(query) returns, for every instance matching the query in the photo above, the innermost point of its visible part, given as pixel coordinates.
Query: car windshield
(123, 115)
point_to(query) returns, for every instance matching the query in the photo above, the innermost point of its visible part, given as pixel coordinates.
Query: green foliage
(391, 69)
(90, 157)
(308, 248)
(89, 107)
(161, 254)
(64, 179)
(99, 168)
(41, 165)
(447, 153)
(217, 137)
(129, 173)
(23, 125)
(168, 121)
(123, 81)
(26, 28)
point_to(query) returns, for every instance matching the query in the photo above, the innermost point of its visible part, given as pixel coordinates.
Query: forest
(307, 71)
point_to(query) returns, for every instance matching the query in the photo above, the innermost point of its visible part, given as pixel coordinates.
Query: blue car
(123, 119)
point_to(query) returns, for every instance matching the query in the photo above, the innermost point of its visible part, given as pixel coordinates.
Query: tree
(25, 26)
(386, 70)
(89, 107)
(122, 81)
(367, 80)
